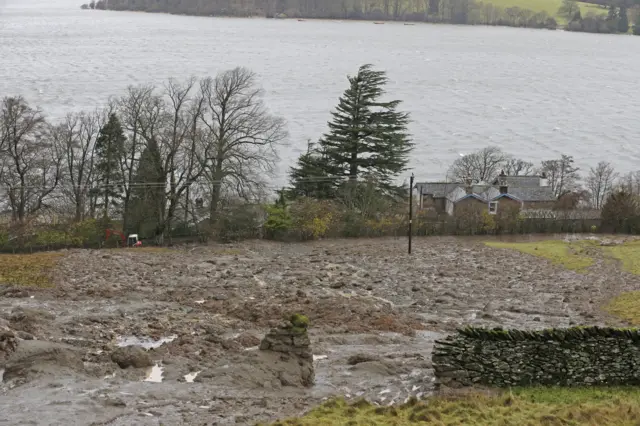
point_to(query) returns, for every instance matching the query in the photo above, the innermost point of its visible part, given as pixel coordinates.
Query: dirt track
(374, 311)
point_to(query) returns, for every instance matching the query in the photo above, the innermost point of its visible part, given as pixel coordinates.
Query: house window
(493, 207)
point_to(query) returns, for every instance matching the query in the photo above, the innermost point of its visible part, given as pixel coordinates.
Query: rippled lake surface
(534, 93)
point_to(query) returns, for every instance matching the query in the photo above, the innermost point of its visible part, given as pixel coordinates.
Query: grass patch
(572, 256)
(628, 253)
(534, 406)
(32, 270)
(626, 306)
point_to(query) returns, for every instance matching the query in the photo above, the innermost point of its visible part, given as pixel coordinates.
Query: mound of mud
(8, 344)
(33, 359)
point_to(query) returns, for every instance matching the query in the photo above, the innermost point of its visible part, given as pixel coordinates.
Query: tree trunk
(106, 199)
(215, 200)
(78, 217)
(353, 167)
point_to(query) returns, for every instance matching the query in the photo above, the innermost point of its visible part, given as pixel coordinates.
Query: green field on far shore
(549, 6)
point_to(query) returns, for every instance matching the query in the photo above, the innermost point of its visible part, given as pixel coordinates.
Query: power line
(152, 184)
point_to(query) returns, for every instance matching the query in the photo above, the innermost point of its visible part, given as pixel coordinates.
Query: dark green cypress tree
(148, 199)
(109, 150)
(623, 20)
(309, 177)
(367, 137)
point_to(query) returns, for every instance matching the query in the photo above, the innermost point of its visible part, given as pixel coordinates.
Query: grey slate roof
(523, 189)
(522, 181)
(437, 189)
(539, 193)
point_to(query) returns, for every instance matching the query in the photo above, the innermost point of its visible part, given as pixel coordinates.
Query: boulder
(131, 356)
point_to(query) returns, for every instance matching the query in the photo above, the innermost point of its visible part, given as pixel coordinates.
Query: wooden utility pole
(410, 210)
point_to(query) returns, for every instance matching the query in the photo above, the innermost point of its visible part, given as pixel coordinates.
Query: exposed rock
(8, 344)
(291, 340)
(131, 356)
(360, 358)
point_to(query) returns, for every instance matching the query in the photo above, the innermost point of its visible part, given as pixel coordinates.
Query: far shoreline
(560, 27)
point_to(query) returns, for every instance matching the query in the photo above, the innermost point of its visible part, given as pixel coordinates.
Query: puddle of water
(1, 375)
(189, 378)
(145, 342)
(110, 376)
(319, 357)
(200, 302)
(154, 374)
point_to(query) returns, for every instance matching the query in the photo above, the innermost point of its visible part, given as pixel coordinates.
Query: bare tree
(516, 167)
(600, 183)
(182, 161)
(76, 136)
(630, 183)
(240, 136)
(131, 110)
(32, 161)
(483, 165)
(562, 174)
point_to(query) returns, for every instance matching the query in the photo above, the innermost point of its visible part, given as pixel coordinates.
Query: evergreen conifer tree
(367, 138)
(309, 177)
(623, 20)
(109, 150)
(148, 195)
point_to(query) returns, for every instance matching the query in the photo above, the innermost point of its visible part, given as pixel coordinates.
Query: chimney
(502, 182)
(468, 188)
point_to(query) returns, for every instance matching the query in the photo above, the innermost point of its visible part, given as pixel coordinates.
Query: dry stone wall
(557, 357)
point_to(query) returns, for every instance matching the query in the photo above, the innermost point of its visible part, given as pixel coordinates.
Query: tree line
(469, 12)
(199, 155)
(154, 158)
(616, 20)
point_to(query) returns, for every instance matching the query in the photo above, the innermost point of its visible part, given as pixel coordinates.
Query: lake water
(534, 93)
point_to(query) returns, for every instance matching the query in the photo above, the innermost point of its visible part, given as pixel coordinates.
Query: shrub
(87, 231)
(51, 238)
(311, 219)
(619, 211)
(238, 222)
(278, 223)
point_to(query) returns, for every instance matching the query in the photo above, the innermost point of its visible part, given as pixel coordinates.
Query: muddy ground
(375, 313)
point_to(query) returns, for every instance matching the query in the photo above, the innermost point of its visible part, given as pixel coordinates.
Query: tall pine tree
(148, 200)
(367, 138)
(109, 150)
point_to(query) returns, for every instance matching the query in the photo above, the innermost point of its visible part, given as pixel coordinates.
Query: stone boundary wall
(579, 356)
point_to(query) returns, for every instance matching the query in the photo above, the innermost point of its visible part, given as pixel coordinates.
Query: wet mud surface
(112, 341)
